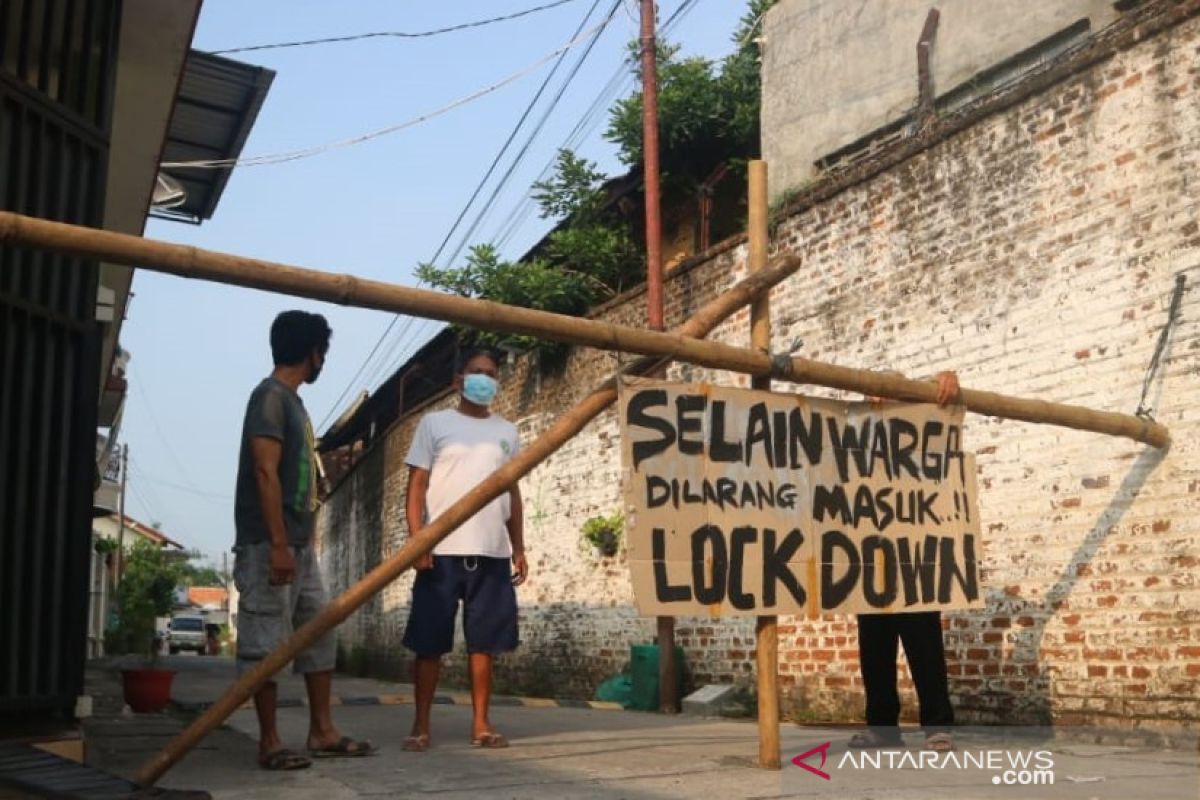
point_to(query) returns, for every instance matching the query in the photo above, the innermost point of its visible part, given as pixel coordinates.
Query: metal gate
(57, 65)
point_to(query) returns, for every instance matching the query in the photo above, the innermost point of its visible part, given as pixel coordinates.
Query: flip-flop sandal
(343, 748)
(417, 743)
(870, 740)
(283, 760)
(490, 740)
(939, 742)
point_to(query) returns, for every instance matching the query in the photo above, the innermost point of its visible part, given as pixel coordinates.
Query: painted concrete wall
(836, 70)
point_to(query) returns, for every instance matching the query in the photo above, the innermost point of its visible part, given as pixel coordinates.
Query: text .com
(1024, 777)
(1005, 767)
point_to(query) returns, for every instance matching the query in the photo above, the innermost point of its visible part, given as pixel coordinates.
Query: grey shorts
(267, 614)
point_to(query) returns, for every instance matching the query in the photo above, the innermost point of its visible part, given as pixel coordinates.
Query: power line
(182, 531)
(524, 207)
(520, 123)
(583, 128)
(395, 34)
(538, 127)
(182, 487)
(161, 436)
(541, 123)
(155, 516)
(308, 152)
(618, 82)
(399, 337)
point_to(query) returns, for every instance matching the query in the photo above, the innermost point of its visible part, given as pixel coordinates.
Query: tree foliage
(194, 573)
(585, 261)
(147, 591)
(708, 111)
(708, 117)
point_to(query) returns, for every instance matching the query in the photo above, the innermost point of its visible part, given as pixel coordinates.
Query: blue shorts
(484, 585)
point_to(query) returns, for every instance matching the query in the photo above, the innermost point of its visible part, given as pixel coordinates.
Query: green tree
(194, 573)
(147, 591)
(588, 259)
(708, 112)
(708, 117)
(592, 238)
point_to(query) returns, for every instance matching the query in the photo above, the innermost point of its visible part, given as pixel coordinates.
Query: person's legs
(490, 627)
(321, 731)
(925, 650)
(877, 650)
(264, 707)
(429, 635)
(426, 670)
(317, 662)
(261, 626)
(481, 693)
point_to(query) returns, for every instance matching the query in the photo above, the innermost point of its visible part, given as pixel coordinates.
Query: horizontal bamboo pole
(569, 424)
(803, 370)
(194, 262)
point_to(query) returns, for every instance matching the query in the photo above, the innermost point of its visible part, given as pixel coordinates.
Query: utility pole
(121, 514)
(650, 168)
(667, 685)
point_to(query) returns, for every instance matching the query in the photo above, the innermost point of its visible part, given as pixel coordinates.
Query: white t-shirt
(460, 452)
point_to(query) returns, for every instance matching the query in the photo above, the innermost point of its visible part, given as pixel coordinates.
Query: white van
(186, 632)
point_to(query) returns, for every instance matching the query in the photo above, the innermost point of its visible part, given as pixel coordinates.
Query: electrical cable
(597, 105)
(582, 129)
(387, 357)
(418, 339)
(393, 34)
(315, 150)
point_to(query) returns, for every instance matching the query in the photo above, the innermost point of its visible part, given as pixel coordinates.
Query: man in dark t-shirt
(275, 569)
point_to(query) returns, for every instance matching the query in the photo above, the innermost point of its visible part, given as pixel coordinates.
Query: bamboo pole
(766, 628)
(192, 262)
(492, 487)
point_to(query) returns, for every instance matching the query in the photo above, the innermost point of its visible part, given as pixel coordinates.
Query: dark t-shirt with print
(275, 411)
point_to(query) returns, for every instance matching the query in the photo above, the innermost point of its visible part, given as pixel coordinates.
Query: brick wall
(1035, 253)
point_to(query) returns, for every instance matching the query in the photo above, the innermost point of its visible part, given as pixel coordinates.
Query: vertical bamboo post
(766, 629)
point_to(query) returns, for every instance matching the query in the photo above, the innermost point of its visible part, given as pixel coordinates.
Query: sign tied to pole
(746, 503)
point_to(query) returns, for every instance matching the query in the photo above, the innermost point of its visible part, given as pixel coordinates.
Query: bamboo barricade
(766, 627)
(500, 481)
(193, 262)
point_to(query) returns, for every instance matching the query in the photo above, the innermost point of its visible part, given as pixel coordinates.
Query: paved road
(587, 753)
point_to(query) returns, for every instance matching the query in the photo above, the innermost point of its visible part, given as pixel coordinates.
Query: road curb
(406, 698)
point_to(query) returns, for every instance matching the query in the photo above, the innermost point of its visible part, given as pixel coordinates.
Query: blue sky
(376, 209)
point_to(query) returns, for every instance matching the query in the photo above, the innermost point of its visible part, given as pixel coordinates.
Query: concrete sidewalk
(562, 752)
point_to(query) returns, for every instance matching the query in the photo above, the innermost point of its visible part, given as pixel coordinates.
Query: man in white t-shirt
(480, 563)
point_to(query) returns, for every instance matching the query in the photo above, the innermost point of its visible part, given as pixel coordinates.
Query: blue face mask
(480, 389)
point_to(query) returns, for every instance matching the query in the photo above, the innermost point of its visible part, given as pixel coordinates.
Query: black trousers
(921, 633)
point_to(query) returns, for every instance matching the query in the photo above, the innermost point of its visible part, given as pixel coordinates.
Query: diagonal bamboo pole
(192, 262)
(496, 484)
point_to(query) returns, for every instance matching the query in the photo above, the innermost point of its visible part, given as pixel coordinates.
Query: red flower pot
(147, 691)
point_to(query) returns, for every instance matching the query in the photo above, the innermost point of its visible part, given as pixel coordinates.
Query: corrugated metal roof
(218, 102)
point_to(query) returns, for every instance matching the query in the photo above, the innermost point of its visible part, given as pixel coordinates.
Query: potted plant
(106, 548)
(604, 533)
(146, 592)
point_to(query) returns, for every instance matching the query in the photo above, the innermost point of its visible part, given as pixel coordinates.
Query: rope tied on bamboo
(349, 290)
